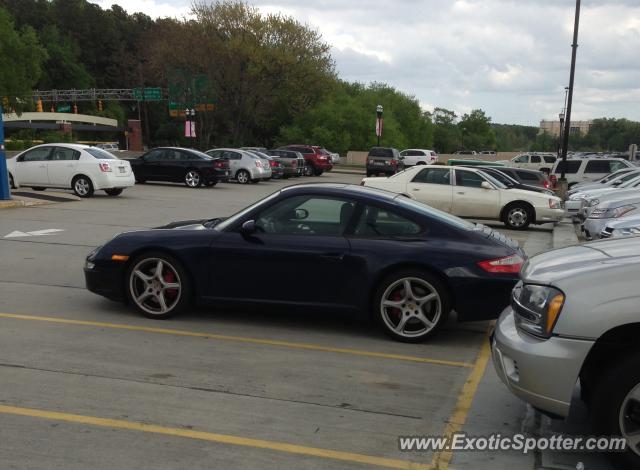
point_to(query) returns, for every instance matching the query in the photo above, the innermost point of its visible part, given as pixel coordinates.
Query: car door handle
(416, 189)
(42, 166)
(461, 192)
(332, 256)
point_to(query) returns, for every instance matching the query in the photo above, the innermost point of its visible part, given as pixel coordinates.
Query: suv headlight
(594, 202)
(626, 232)
(537, 308)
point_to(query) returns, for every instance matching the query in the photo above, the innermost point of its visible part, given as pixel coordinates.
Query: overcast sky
(508, 57)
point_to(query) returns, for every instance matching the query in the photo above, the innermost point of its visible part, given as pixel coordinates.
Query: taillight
(220, 164)
(508, 264)
(393, 162)
(105, 167)
(258, 164)
(272, 163)
(554, 180)
(546, 184)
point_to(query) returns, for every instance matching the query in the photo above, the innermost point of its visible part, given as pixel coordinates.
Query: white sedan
(469, 192)
(82, 168)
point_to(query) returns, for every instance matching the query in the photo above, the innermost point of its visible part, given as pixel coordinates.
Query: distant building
(553, 127)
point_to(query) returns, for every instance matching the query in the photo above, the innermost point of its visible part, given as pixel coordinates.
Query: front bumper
(541, 372)
(546, 214)
(593, 227)
(105, 281)
(572, 207)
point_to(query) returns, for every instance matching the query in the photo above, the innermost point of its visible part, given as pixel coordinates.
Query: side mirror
(248, 227)
(301, 214)
(485, 185)
(617, 183)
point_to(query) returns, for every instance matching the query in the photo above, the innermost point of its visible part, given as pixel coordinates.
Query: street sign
(63, 108)
(150, 94)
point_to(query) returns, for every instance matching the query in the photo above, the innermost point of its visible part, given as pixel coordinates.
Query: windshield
(435, 213)
(222, 226)
(493, 181)
(100, 154)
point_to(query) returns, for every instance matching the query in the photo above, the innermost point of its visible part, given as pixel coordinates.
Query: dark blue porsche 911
(336, 246)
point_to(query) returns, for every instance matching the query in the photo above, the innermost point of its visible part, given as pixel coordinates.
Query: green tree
(21, 58)
(476, 130)
(62, 69)
(446, 135)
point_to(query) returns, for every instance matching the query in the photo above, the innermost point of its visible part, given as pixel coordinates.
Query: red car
(317, 160)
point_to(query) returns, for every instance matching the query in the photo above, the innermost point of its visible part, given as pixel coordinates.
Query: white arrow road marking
(35, 233)
(48, 231)
(17, 234)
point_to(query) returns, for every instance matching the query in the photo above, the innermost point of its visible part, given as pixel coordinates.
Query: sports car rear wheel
(158, 285)
(412, 305)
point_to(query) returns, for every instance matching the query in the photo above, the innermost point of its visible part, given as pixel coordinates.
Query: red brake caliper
(170, 277)
(396, 312)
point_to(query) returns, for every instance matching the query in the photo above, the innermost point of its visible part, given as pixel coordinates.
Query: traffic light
(39, 106)
(75, 109)
(99, 105)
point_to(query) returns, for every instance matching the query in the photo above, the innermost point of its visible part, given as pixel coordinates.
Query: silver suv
(575, 316)
(244, 166)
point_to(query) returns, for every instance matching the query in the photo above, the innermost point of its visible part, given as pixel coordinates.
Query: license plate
(378, 163)
(122, 169)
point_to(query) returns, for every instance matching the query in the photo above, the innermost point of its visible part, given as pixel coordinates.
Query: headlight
(554, 204)
(576, 197)
(537, 308)
(594, 202)
(612, 213)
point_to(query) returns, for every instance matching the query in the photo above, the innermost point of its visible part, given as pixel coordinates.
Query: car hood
(617, 199)
(625, 222)
(199, 224)
(532, 194)
(553, 266)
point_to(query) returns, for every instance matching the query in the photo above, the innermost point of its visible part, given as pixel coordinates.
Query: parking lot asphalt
(88, 383)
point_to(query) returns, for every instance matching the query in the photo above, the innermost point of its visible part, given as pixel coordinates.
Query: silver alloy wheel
(517, 216)
(82, 186)
(411, 307)
(192, 178)
(155, 286)
(628, 419)
(243, 177)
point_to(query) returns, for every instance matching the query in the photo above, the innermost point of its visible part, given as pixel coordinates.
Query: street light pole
(5, 191)
(567, 123)
(379, 110)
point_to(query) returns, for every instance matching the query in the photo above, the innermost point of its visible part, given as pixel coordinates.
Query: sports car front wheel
(411, 305)
(158, 285)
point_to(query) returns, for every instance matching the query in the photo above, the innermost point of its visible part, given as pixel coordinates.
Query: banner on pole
(379, 125)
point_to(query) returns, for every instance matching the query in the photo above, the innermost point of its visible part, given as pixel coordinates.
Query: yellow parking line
(460, 413)
(241, 339)
(215, 437)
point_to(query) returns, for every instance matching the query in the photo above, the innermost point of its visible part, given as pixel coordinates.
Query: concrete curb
(11, 203)
(564, 234)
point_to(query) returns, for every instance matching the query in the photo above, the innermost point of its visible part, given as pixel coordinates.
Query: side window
(572, 166)
(154, 156)
(526, 176)
(549, 159)
(521, 159)
(63, 153)
(405, 153)
(433, 176)
(375, 222)
(36, 155)
(468, 179)
(215, 153)
(535, 159)
(615, 165)
(598, 166)
(307, 215)
(231, 155)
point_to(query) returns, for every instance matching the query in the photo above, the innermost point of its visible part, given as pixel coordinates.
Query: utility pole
(562, 189)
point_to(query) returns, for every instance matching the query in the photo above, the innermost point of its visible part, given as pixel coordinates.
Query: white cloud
(509, 57)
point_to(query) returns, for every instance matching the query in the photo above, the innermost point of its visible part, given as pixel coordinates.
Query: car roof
(62, 144)
(339, 188)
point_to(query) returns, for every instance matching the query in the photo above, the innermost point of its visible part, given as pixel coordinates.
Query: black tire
(82, 186)
(12, 184)
(308, 170)
(518, 216)
(184, 295)
(608, 399)
(255, 181)
(140, 181)
(38, 188)
(114, 191)
(192, 179)
(243, 177)
(421, 282)
(317, 172)
(211, 183)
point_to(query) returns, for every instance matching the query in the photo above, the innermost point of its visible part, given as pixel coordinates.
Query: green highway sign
(150, 94)
(64, 108)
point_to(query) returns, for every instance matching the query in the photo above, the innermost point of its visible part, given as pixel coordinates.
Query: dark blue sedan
(331, 246)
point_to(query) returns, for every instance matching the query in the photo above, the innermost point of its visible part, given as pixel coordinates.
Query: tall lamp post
(190, 125)
(379, 121)
(561, 116)
(562, 189)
